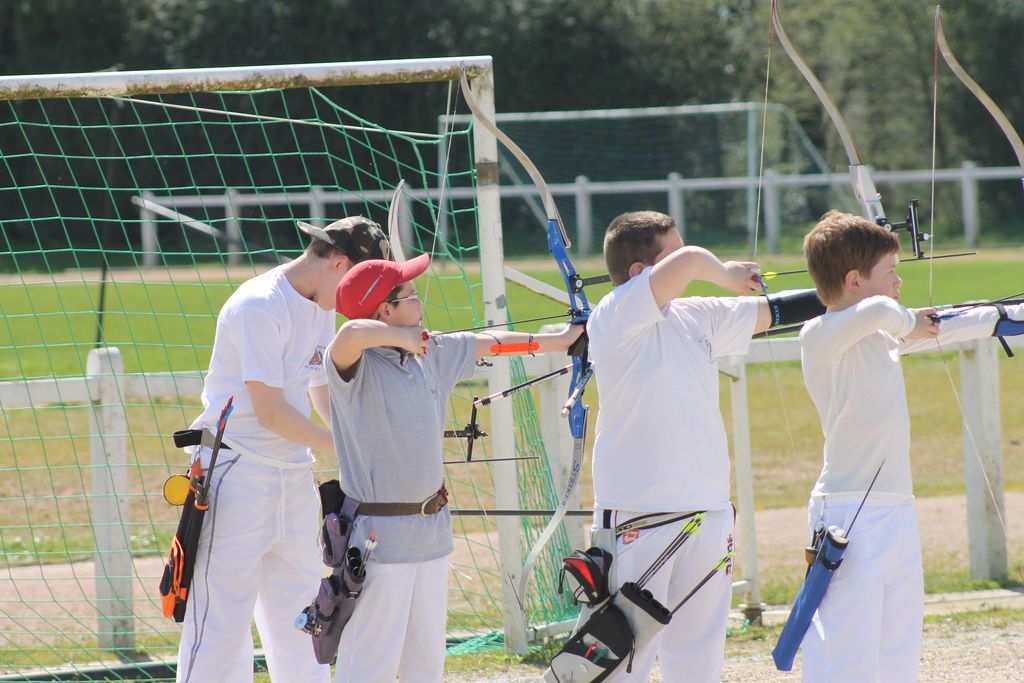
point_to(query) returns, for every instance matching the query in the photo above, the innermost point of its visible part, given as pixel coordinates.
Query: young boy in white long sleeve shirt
(868, 626)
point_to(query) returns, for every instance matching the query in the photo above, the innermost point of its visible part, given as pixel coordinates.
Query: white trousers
(398, 625)
(868, 626)
(692, 647)
(258, 556)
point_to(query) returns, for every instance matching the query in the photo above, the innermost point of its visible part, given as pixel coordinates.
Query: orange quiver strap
(181, 559)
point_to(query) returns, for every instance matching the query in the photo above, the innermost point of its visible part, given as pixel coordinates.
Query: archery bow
(579, 310)
(860, 175)
(976, 90)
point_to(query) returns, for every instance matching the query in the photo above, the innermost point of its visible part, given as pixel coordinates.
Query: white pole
(676, 205)
(584, 218)
(492, 274)
(746, 529)
(772, 217)
(969, 202)
(752, 171)
(983, 467)
(117, 83)
(147, 224)
(442, 182)
(232, 228)
(111, 515)
(317, 211)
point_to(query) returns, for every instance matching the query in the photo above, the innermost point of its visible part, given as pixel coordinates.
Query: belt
(430, 506)
(196, 437)
(645, 521)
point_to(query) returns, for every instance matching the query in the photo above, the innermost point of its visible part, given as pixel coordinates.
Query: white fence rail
(583, 191)
(106, 387)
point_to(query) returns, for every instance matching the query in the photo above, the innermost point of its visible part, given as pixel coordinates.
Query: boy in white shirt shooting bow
(661, 453)
(868, 625)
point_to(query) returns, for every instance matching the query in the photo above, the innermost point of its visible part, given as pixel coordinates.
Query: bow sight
(912, 225)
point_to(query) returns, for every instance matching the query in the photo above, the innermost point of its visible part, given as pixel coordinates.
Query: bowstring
(757, 217)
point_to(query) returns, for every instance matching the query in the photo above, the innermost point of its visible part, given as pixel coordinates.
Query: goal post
(131, 205)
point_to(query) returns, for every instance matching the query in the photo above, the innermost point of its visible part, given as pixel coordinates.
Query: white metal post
(317, 210)
(752, 172)
(492, 275)
(983, 459)
(746, 528)
(676, 205)
(147, 225)
(969, 202)
(108, 449)
(772, 217)
(442, 163)
(232, 228)
(584, 217)
(406, 233)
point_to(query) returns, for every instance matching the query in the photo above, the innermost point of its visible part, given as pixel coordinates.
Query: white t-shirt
(266, 332)
(851, 366)
(661, 444)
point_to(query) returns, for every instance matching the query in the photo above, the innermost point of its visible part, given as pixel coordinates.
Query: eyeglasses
(412, 297)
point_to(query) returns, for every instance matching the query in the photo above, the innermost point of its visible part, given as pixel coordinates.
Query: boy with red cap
(389, 386)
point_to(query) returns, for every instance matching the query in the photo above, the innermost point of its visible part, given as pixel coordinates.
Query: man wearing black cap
(258, 553)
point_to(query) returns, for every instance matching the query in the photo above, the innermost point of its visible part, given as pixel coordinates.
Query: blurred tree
(875, 59)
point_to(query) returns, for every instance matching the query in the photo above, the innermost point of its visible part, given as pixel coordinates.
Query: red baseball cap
(367, 285)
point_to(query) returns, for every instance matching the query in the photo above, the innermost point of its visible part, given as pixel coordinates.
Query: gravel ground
(986, 647)
(981, 648)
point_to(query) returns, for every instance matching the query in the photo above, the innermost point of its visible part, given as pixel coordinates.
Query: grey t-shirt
(388, 422)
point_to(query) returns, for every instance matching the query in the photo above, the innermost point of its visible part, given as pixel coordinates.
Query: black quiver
(332, 608)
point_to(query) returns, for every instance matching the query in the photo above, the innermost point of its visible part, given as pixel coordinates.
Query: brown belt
(430, 506)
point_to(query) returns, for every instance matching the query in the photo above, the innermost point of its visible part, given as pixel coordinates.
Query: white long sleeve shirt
(851, 367)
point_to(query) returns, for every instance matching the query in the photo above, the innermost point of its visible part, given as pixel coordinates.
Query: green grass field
(49, 327)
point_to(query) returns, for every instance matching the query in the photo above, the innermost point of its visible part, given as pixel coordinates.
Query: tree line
(875, 59)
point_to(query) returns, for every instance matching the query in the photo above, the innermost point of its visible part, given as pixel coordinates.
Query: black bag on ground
(612, 634)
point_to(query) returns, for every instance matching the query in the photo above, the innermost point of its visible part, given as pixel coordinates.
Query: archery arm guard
(1007, 326)
(794, 306)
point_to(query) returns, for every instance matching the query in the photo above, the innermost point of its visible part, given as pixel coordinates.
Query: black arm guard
(794, 306)
(1006, 327)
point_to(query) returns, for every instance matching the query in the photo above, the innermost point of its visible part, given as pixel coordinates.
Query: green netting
(126, 223)
(630, 145)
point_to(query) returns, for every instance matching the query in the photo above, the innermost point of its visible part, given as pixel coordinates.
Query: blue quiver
(826, 561)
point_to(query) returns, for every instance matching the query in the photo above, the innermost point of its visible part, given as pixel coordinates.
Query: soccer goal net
(132, 205)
